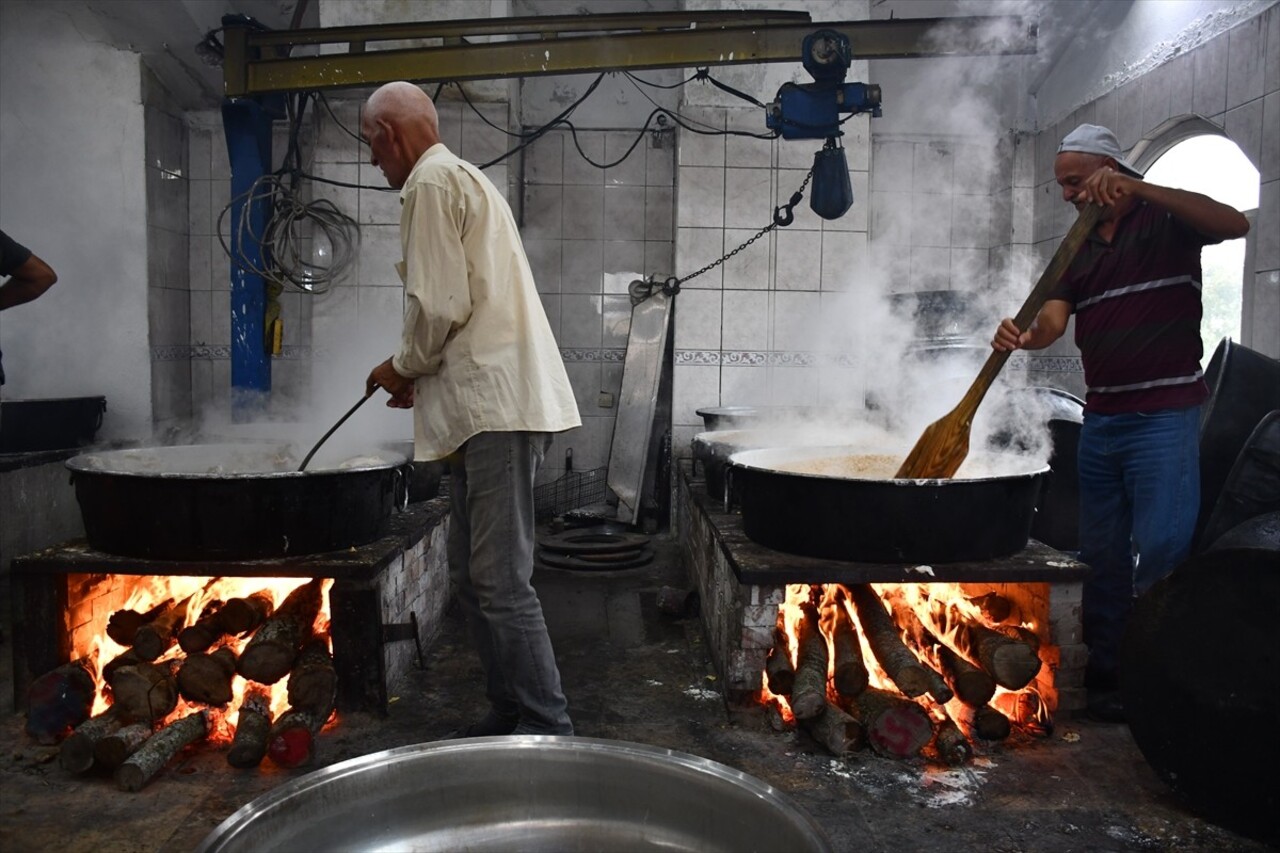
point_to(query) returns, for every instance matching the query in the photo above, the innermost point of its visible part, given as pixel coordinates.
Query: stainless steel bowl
(521, 793)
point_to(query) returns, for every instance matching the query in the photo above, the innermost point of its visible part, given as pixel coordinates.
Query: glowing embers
(188, 659)
(907, 669)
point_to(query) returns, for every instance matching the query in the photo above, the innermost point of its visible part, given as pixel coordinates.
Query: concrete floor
(635, 674)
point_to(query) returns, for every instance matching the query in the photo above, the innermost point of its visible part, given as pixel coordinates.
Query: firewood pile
(183, 680)
(889, 668)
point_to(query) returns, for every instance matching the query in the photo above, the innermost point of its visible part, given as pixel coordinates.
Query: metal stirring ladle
(334, 428)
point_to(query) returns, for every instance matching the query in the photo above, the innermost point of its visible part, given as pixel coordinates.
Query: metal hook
(786, 218)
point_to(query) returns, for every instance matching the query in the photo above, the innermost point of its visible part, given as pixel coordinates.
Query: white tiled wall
(589, 232)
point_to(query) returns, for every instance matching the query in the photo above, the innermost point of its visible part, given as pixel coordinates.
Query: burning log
(778, 721)
(899, 663)
(850, 676)
(996, 608)
(76, 754)
(112, 750)
(973, 686)
(146, 691)
(313, 683)
(59, 700)
(895, 727)
(1028, 710)
(126, 658)
(242, 615)
(840, 733)
(1022, 635)
(236, 616)
(249, 746)
(207, 677)
(271, 653)
(1011, 662)
(291, 742)
(206, 631)
(985, 722)
(923, 639)
(124, 624)
(154, 638)
(139, 768)
(809, 695)
(779, 672)
(950, 743)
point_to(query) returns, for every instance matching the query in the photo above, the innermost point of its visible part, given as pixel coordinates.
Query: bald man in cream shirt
(480, 367)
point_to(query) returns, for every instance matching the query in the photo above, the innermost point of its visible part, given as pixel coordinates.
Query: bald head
(400, 122)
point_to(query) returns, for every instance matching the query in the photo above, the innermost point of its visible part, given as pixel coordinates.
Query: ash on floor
(634, 673)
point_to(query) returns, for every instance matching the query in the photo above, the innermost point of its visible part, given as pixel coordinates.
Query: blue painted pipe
(247, 126)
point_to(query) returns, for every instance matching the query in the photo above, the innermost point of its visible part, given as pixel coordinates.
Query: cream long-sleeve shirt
(476, 339)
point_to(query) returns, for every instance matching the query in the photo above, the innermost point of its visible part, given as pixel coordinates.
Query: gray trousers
(491, 541)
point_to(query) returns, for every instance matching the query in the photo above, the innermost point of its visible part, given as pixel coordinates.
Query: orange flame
(942, 609)
(100, 648)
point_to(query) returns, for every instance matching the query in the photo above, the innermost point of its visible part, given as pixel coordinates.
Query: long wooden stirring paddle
(945, 443)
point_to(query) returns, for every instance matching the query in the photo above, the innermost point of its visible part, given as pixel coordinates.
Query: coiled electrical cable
(286, 257)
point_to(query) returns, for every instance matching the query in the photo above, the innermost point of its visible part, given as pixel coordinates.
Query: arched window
(1192, 154)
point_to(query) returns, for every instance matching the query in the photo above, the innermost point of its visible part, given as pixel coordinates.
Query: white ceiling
(166, 34)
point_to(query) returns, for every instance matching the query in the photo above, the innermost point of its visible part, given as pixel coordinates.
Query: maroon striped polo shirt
(1137, 306)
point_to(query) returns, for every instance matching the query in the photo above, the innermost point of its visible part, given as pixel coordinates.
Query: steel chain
(672, 285)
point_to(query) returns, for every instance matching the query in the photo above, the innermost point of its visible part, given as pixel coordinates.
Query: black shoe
(1106, 706)
(492, 723)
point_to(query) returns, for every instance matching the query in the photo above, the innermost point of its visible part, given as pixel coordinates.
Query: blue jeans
(1139, 498)
(491, 541)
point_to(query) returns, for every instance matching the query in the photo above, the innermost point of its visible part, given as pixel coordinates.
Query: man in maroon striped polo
(1134, 288)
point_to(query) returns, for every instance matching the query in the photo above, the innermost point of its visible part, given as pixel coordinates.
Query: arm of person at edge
(435, 234)
(1105, 187)
(29, 281)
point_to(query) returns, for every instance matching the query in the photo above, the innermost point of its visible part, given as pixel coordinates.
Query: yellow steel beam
(614, 51)
(532, 25)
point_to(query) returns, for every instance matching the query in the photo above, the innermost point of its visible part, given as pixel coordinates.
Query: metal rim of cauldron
(883, 520)
(80, 464)
(712, 449)
(719, 418)
(741, 460)
(306, 799)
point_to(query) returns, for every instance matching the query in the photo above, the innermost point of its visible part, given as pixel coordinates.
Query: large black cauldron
(886, 520)
(232, 502)
(55, 423)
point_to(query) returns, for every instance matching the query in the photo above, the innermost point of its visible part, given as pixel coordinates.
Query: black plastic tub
(885, 520)
(1244, 385)
(56, 423)
(232, 502)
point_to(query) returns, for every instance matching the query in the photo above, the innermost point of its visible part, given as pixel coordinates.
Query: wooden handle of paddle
(944, 444)
(1062, 258)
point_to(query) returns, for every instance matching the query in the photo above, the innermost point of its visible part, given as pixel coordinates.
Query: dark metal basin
(981, 513)
(521, 794)
(232, 501)
(55, 423)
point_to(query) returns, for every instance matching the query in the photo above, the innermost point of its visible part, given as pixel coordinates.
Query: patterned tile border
(755, 358)
(220, 352)
(703, 358)
(593, 355)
